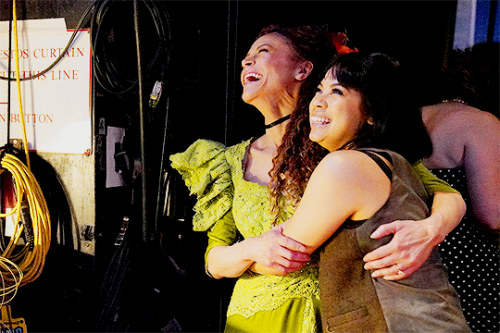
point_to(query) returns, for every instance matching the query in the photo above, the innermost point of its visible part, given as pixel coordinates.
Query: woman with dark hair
(366, 181)
(232, 186)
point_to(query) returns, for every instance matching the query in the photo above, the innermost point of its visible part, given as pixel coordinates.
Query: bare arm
(345, 185)
(482, 167)
(271, 250)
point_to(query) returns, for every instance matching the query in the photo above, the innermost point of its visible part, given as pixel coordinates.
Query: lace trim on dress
(254, 293)
(205, 171)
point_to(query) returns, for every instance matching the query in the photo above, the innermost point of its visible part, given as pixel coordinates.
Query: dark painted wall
(211, 37)
(71, 10)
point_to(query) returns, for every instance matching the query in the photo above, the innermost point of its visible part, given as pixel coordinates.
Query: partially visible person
(466, 154)
(472, 75)
(364, 182)
(477, 72)
(232, 187)
(467, 140)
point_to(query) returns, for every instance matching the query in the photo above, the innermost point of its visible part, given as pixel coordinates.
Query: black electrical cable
(162, 193)
(145, 227)
(101, 60)
(110, 74)
(70, 42)
(114, 78)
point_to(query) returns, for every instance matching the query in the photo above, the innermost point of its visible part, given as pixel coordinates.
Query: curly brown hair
(297, 156)
(296, 159)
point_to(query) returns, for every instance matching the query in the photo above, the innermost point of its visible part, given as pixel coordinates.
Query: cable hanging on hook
(22, 263)
(111, 72)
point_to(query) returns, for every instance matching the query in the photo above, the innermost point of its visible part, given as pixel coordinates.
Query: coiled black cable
(111, 72)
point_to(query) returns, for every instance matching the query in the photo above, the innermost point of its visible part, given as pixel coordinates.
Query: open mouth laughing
(252, 77)
(315, 120)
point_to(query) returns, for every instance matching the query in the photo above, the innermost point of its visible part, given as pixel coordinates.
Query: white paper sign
(56, 105)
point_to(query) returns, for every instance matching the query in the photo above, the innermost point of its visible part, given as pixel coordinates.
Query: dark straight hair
(387, 100)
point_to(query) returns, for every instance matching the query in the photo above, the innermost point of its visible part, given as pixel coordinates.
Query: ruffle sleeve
(205, 171)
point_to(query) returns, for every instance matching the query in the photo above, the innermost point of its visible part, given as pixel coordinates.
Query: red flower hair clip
(339, 40)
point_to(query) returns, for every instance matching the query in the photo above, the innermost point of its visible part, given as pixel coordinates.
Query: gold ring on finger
(400, 271)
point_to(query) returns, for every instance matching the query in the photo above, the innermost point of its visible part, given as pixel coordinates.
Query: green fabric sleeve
(223, 232)
(205, 171)
(432, 183)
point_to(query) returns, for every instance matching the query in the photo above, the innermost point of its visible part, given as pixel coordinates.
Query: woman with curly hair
(232, 185)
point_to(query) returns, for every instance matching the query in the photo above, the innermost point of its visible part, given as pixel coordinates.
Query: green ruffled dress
(229, 205)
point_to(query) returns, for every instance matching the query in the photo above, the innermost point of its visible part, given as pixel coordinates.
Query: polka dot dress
(473, 261)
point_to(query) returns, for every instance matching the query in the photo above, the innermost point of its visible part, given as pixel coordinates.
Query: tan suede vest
(352, 301)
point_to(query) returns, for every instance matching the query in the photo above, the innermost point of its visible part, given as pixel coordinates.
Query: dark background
(144, 290)
(210, 38)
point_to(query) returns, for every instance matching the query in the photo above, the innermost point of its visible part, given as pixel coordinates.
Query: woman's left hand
(410, 247)
(295, 259)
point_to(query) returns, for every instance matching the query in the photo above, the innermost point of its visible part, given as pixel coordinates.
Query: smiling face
(335, 114)
(270, 72)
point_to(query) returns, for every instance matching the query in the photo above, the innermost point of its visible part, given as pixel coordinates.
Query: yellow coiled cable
(14, 276)
(31, 258)
(21, 266)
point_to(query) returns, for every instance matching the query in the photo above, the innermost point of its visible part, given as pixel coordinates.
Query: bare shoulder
(460, 118)
(343, 156)
(470, 115)
(476, 122)
(345, 162)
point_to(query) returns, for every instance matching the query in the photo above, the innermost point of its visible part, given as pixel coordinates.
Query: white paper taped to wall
(57, 104)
